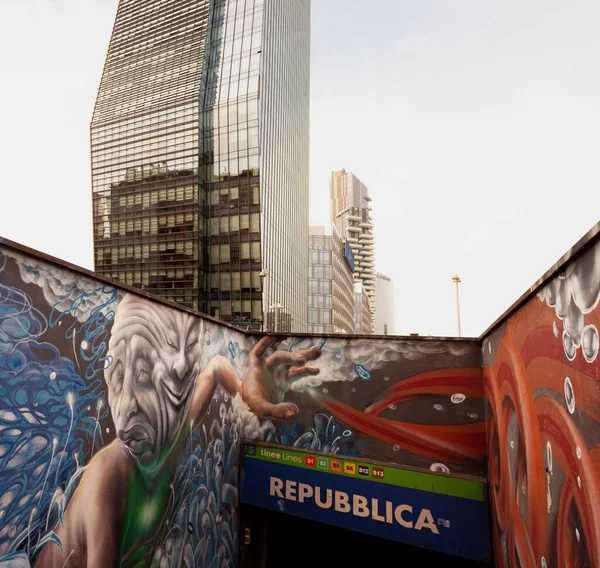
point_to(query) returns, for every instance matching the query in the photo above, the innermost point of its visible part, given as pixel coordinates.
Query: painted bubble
(457, 398)
(392, 407)
(232, 349)
(52, 376)
(2, 513)
(225, 397)
(353, 389)
(338, 355)
(577, 535)
(207, 338)
(190, 528)
(108, 430)
(590, 343)
(396, 448)
(569, 346)
(579, 482)
(579, 453)
(438, 407)
(555, 329)
(439, 467)
(347, 433)
(569, 395)
(386, 379)
(512, 444)
(473, 416)
(549, 456)
(325, 390)
(84, 345)
(362, 372)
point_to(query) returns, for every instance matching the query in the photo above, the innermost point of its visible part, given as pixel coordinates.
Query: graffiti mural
(541, 380)
(121, 418)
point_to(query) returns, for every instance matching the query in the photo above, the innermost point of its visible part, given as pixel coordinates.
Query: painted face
(156, 353)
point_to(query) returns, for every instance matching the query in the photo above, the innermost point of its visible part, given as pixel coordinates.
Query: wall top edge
(126, 288)
(584, 243)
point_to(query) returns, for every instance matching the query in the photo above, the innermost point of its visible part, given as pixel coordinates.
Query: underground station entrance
(302, 508)
(277, 540)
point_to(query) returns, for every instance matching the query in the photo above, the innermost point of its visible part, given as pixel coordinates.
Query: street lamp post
(264, 276)
(456, 280)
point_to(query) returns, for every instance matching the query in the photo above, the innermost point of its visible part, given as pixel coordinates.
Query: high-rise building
(330, 284)
(199, 143)
(384, 298)
(362, 310)
(350, 211)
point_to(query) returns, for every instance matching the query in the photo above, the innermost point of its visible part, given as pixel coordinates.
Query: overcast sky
(474, 123)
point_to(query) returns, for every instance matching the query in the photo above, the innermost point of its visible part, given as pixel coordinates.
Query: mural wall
(541, 380)
(121, 418)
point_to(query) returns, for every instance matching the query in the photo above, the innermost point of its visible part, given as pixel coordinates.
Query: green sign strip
(336, 465)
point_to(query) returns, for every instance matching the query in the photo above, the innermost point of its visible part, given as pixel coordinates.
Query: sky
(475, 124)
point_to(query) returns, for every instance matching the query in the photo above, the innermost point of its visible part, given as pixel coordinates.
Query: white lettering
(318, 501)
(359, 506)
(398, 514)
(389, 512)
(375, 512)
(426, 520)
(276, 486)
(342, 502)
(304, 491)
(290, 490)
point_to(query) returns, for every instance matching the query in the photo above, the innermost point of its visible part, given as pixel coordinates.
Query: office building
(350, 211)
(384, 299)
(330, 283)
(200, 155)
(362, 310)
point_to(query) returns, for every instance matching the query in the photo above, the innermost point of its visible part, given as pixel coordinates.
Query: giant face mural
(121, 417)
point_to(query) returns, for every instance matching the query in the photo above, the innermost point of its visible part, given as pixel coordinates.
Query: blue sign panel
(339, 492)
(349, 256)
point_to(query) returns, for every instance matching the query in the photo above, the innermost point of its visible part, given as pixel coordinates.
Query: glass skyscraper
(200, 155)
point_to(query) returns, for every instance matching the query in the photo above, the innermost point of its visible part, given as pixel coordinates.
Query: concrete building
(362, 310)
(199, 144)
(350, 211)
(330, 284)
(384, 298)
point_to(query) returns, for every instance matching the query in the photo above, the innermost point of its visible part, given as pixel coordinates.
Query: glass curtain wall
(148, 226)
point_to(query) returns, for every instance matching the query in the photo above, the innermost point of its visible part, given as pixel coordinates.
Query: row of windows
(234, 253)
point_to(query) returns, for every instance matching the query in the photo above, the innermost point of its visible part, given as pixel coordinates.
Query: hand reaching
(270, 378)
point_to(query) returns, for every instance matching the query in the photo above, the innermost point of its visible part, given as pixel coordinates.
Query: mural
(121, 418)
(541, 380)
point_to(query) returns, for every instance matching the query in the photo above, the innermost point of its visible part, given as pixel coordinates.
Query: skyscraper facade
(362, 310)
(330, 284)
(350, 211)
(200, 155)
(384, 297)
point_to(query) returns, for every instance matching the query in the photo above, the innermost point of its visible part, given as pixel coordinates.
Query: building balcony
(352, 239)
(366, 225)
(353, 229)
(353, 217)
(367, 236)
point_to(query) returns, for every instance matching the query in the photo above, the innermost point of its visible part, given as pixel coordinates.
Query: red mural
(450, 443)
(544, 464)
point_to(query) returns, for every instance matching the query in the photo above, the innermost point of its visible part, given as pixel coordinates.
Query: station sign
(438, 512)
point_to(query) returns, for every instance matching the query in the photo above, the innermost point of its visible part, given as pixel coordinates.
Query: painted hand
(270, 378)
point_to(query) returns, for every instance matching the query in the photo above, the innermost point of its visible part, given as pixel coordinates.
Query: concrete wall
(121, 416)
(541, 380)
